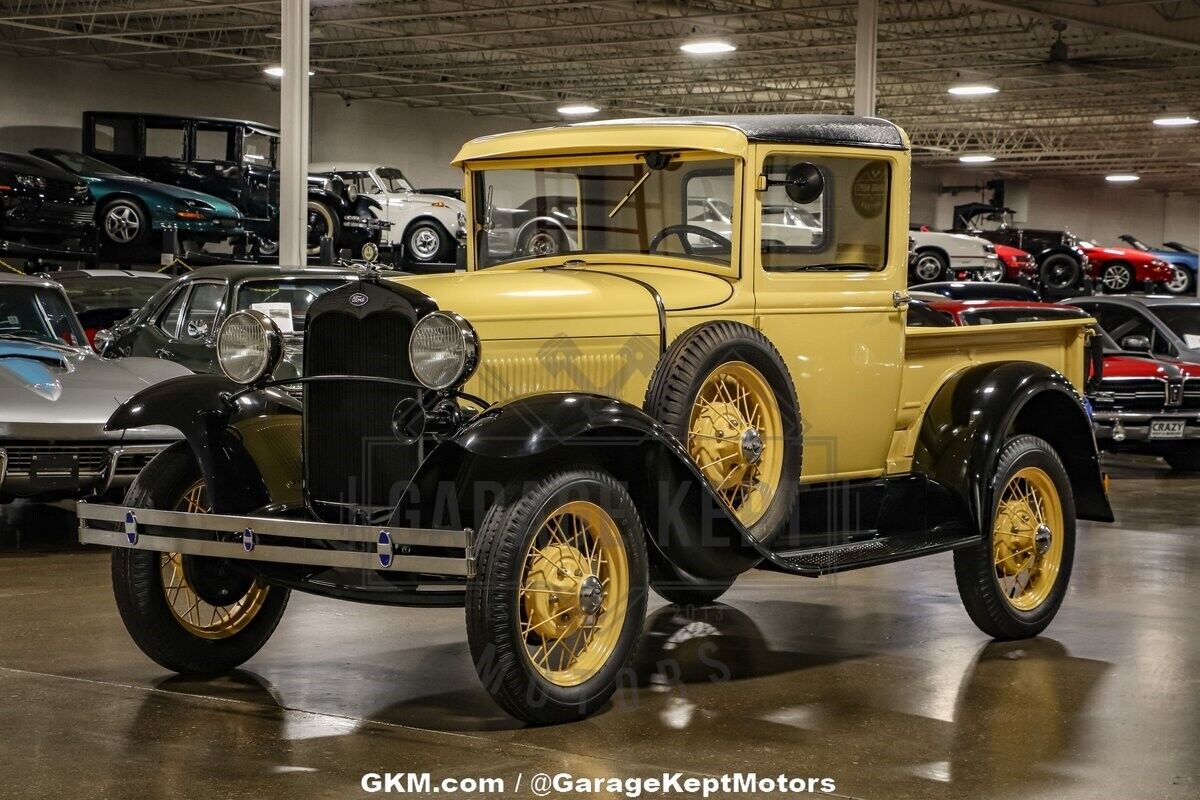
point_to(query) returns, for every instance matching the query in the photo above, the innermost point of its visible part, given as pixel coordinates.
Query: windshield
(258, 148)
(1184, 322)
(393, 180)
(286, 302)
(84, 165)
(91, 294)
(684, 209)
(38, 314)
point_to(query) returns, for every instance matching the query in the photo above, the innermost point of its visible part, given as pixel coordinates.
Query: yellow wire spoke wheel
(1027, 538)
(573, 593)
(735, 436)
(197, 616)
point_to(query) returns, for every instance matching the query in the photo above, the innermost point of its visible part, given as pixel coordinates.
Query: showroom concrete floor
(876, 679)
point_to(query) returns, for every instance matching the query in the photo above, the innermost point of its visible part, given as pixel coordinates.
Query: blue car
(130, 210)
(1184, 259)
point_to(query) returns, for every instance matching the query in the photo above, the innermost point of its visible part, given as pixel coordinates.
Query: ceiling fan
(1059, 58)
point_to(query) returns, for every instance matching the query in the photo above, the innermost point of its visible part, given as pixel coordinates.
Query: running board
(816, 561)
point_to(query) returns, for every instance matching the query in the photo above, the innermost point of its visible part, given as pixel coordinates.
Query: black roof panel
(828, 129)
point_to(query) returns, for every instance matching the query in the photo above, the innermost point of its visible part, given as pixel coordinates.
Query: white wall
(41, 103)
(1090, 208)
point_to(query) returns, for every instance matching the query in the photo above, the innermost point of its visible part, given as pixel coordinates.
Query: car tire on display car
(542, 241)
(123, 223)
(1060, 272)
(1013, 582)
(930, 266)
(427, 242)
(1117, 277)
(556, 609)
(190, 614)
(1181, 283)
(322, 222)
(991, 274)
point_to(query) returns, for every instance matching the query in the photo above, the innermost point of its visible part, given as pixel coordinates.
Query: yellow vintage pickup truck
(678, 353)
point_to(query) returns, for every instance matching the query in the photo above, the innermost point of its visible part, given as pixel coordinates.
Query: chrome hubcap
(1042, 539)
(1179, 281)
(425, 243)
(1116, 278)
(542, 244)
(928, 268)
(122, 224)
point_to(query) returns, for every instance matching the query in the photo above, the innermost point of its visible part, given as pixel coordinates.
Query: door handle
(900, 300)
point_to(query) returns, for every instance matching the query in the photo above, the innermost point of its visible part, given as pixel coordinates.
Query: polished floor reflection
(876, 679)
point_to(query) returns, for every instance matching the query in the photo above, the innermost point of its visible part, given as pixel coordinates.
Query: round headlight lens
(443, 351)
(249, 346)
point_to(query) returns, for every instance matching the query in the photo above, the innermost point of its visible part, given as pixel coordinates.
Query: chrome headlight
(351, 192)
(249, 346)
(443, 350)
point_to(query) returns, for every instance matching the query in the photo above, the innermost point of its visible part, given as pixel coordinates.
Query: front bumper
(419, 551)
(1130, 427)
(29, 216)
(62, 470)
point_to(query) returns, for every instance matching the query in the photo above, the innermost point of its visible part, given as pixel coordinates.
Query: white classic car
(428, 226)
(941, 256)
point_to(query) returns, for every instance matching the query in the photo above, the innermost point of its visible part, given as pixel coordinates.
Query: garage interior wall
(42, 102)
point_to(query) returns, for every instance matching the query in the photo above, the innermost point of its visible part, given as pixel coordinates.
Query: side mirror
(1136, 344)
(804, 183)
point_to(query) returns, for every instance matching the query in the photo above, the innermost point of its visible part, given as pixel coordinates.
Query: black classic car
(180, 322)
(44, 206)
(234, 160)
(1062, 264)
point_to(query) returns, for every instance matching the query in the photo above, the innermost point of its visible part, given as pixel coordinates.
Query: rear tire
(152, 589)
(1013, 582)
(427, 242)
(556, 608)
(930, 266)
(1060, 272)
(322, 221)
(1182, 283)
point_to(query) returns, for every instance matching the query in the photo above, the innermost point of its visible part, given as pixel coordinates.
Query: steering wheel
(682, 232)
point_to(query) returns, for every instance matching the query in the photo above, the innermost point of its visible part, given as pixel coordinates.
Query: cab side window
(165, 142)
(825, 213)
(168, 320)
(203, 308)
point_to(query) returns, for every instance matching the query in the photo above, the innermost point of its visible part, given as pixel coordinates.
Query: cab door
(187, 329)
(829, 269)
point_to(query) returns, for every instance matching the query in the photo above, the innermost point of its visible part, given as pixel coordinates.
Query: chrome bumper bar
(281, 541)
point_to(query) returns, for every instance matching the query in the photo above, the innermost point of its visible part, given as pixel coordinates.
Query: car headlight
(249, 346)
(351, 192)
(443, 351)
(31, 181)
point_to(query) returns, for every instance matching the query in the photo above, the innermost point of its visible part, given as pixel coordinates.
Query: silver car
(56, 395)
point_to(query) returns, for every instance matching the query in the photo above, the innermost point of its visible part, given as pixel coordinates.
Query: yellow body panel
(591, 322)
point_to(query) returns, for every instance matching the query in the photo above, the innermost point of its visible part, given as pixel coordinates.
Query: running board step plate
(840, 558)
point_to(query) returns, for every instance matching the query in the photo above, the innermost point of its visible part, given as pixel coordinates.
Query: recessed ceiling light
(577, 109)
(976, 158)
(277, 72)
(1121, 178)
(1176, 120)
(707, 47)
(972, 89)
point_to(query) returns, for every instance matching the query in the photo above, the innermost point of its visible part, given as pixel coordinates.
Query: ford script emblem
(384, 549)
(358, 299)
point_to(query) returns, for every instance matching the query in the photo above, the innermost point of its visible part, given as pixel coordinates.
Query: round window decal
(869, 191)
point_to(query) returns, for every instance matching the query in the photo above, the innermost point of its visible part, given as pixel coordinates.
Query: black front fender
(521, 440)
(978, 409)
(248, 449)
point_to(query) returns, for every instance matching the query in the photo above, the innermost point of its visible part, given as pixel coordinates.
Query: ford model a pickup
(657, 403)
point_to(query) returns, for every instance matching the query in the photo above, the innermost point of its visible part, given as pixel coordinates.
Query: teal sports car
(131, 210)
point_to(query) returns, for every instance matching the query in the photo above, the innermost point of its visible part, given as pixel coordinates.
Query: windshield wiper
(632, 191)
(849, 267)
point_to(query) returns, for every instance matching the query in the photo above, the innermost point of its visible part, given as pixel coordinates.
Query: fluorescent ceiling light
(577, 109)
(977, 158)
(1176, 120)
(277, 72)
(972, 89)
(1121, 178)
(707, 47)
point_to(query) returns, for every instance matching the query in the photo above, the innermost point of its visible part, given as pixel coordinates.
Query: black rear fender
(520, 440)
(248, 449)
(980, 408)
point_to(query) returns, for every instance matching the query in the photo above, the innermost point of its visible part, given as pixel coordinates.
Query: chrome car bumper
(281, 541)
(96, 467)
(1134, 426)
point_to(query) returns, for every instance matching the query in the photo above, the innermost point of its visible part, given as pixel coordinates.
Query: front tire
(427, 242)
(541, 242)
(556, 609)
(1013, 582)
(1182, 282)
(1060, 272)
(190, 614)
(124, 223)
(1117, 277)
(930, 266)
(322, 221)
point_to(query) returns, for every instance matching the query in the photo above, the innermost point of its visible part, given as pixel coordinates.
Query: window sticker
(280, 314)
(868, 193)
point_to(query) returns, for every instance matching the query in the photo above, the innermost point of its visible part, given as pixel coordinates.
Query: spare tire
(725, 393)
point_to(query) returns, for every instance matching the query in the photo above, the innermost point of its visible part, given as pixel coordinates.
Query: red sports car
(1124, 269)
(994, 312)
(1019, 266)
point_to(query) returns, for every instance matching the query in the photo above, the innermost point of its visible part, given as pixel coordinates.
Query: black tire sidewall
(333, 225)
(138, 588)
(974, 566)
(493, 620)
(695, 354)
(1044, 270)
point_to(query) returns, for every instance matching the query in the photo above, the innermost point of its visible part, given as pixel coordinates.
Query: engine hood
(595, 300)
(55, 386)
